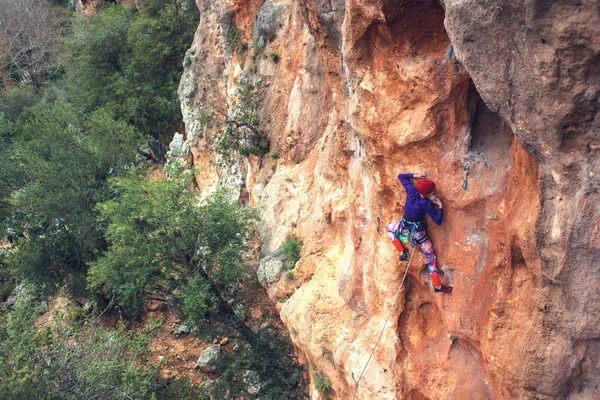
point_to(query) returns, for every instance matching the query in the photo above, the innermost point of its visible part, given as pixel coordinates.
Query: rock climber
(411, 227)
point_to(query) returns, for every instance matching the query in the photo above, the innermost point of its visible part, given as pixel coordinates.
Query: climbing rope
(384, 326)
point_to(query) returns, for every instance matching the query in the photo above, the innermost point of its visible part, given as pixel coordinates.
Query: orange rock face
(358, 92)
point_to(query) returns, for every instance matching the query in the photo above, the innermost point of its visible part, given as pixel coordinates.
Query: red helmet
(425, 187)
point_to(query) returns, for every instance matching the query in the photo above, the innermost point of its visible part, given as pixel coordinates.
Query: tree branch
(243, 124)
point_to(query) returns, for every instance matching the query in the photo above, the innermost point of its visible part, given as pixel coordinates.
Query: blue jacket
(416, 206)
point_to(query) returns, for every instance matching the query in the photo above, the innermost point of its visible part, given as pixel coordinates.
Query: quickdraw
(465, 172)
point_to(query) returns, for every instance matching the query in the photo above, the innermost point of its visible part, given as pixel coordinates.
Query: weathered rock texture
(364, 90)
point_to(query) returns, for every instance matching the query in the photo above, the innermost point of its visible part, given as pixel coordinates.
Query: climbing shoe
(403, 256)
(443, 289)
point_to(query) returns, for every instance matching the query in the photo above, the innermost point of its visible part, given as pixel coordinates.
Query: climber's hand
(420, 175)
(437, 202)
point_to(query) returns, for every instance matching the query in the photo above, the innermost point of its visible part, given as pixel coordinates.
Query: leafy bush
(272, 357)
(291, 250)
(323, 385)
(7, 279)
(14, 100)
(274, 57)
(236, 41)
(65, 359)
(164, 240)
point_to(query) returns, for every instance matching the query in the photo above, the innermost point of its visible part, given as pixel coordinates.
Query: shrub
(236, 41)
(162, 238)
(291, 250)
(323, 385)
(65, 359)
(237, 129)
(274, 57)
(14, 100)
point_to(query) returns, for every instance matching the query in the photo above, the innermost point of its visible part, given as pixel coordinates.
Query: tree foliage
(130, 63)
(166, 242)
(161, 238)
(58, 167)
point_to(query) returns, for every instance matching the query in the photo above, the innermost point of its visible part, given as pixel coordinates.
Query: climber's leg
(429, 251)
(427, 248)
(397, 240)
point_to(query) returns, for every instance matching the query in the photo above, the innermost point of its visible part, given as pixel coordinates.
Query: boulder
(210, 359)
(270, 268)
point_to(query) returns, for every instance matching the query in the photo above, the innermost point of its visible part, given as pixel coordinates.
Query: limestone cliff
(355, 92)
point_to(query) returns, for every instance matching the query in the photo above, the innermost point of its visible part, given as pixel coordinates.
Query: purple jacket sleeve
(405, 181)
(436, 215)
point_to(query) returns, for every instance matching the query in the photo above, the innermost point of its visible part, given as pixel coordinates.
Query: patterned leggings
(398, 234)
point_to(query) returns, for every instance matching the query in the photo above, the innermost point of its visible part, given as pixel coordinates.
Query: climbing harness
(409, 229)
(466, 171)
(357, 381)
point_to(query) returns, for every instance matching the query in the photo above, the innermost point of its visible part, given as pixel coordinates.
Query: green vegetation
(258, 47)
(236, 42)
(53, 177)
(66, 359)
(78, 212)
(130, 63)
(160, 239)
(166, 244)
(64, 138)
(291, 250)
(237, 128)
(274, 57)
(323, 385)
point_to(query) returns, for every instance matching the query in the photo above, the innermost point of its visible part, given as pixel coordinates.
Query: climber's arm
(405, 179)
(436, 215)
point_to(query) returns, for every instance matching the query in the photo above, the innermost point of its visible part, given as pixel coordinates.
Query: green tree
(130, 63)
(237, 128)
(164, 242)
(60, 164)
(161, 239)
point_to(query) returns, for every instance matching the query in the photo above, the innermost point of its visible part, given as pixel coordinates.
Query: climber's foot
(443, 289)
(403, 256)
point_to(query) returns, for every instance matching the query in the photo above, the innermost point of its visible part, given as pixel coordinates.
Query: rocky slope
(355, 92)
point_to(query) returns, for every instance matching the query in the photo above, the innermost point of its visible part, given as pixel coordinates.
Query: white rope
(384, 326)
